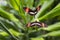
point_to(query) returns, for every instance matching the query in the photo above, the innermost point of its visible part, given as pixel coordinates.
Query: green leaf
(30, 3)
(36, 3)
(7, 30)
(10, 31)
(15, 33)
(9, 24)
(41, 2)
(3, 33)
(44, 8)
(14, 3)
(7, 15)
(3, 37)
(38, 38)
(53, 27)
(54, 33)
(53, 13)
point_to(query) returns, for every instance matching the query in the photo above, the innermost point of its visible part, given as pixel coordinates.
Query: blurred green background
(14, 20)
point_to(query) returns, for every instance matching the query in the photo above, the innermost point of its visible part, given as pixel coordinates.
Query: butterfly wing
(38, 8)
(29, 11)
(26, 9)
(32, 12)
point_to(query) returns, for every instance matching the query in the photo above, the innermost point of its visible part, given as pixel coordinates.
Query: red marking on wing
(44, 25)
(27, 10)
(38, 8)
(28, 25)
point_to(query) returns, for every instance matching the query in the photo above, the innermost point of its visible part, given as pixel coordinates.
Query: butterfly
(39, 24)
(32, 12)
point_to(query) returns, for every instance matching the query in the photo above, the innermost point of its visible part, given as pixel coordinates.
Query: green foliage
(14, 3)
(46, 5)
(37, 38)
(53, 13)
(54, 33)
(13, 25)
(53, 27)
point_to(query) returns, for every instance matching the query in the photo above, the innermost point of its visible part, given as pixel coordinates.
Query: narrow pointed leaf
(37, 38)
(7, 15)
(29, 3)
(14, 4)
(54, 33)
(53, 13)
(53, 27)
(44, 8)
